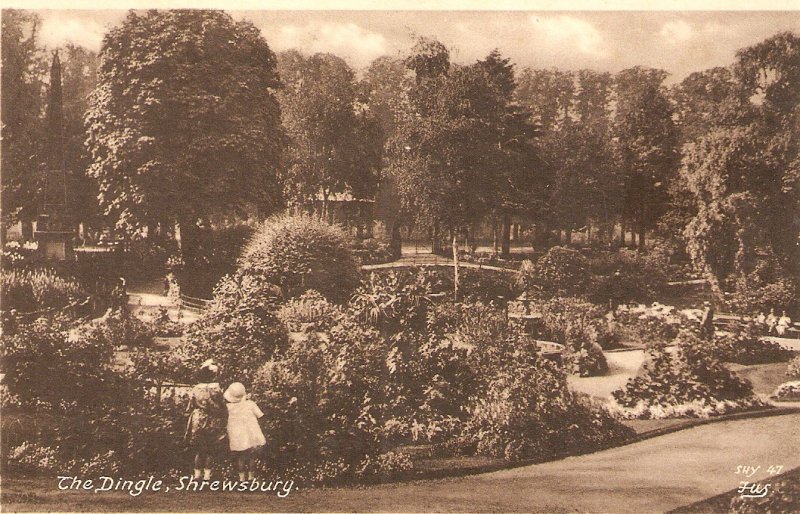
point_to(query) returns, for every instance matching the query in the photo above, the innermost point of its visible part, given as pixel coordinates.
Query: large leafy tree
(22, 124)
(572, 110)
(334, 143)
(184, 123)
(444, 154)
(743, 175)
(512, 161)
(386, 85)
(647, 149)
(79, 78)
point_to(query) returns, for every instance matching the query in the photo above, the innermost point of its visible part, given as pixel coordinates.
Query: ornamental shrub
(42, 354)
(578, 325)
(322, 399)
(692, 374)
(794, 368)
(309, 312)
(240, 330)
(118, 328)
(629, 276)
(561, 271)
(29, 290)
(298, 253)
(746, 347)
(528, 412)
(373, 251)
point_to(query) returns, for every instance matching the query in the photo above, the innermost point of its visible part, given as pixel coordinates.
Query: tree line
(189, 115)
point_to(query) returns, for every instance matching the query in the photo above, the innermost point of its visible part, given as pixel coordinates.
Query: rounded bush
(560, 271)
(298, 253)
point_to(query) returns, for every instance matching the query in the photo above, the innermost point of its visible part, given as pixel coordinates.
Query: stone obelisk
(54, 231)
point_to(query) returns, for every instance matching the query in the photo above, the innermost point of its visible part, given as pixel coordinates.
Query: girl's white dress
(244, 432)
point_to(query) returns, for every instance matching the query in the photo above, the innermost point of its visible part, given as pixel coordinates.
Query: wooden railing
(193, 304)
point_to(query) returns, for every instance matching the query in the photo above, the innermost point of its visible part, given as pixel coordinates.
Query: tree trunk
(494, 235)
(642, 213)
(641, 237)
(324, 215)
(396, 241)
(455, 265)
(26, 227)
(505, 243)
(436, 243)
(622, 235)
(569, 236)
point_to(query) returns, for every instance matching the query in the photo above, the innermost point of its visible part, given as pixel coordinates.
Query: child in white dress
(244, 433)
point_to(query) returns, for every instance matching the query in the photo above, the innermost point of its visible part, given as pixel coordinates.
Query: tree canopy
(184, 122)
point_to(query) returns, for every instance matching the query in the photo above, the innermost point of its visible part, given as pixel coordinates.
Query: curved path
(654, 475)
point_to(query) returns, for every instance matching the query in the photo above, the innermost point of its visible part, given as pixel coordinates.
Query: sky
(680, 42)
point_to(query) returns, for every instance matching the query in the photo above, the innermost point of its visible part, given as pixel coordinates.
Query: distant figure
(707, 323)
(783, 324)
(772, 321)
(119, 295)
(760, 322)
(615, 298)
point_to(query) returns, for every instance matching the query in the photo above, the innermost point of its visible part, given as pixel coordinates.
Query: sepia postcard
(399, 256)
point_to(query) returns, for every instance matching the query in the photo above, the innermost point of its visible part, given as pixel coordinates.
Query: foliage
(184, 123)
(794, 368)
(215, 253)
(691, 375)
(394, 301)
(22, 87)
(373, 251)
(118, 328)
(322, 398)
(33, 457)
(334, 143)
(298, 253)
(561, 271)
(240, 330)
(163, 326)
(765, 288)
(28, 290)
(648, 326)
(309, 312)
(787, 391)
(386, 464)
(573, 115)
(742, 173)
(579, 326)
(528, 412)
(40, 351)
(647, 151)
(746, 347)
(626, 276)
(148, 256)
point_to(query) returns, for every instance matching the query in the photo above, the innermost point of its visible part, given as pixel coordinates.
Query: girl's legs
(202, 465)
(241, 465)
(198, 465)
(250, 470)
(207, 468)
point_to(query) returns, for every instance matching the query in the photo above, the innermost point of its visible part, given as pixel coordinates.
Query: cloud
(677, 31)
(347, 40)
(567, 30)
(59, 30)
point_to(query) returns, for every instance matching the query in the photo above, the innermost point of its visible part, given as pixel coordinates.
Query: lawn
(765, 377)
